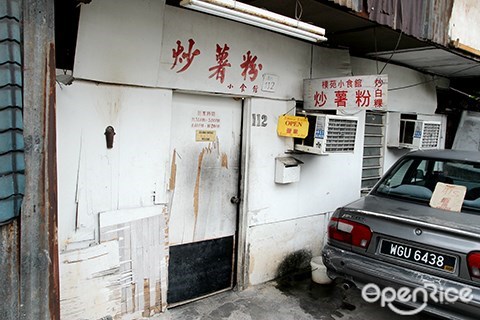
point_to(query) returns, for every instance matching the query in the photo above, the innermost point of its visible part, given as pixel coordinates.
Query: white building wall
(95, 179)
(409, 91)
(120, 41)
(104, 192)
(464, 26)
(287, 59)
(119, 196)
(116, 199)
(283, 219)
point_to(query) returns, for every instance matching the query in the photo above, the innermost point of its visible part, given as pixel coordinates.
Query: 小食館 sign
(354, 92)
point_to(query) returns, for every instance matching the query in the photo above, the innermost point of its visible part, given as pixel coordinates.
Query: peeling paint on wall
(224, 160)
(206, 172)
(196, 189)
(143, 251)
(90, 281)
(158, 297)
(146, 298)
(173, 172)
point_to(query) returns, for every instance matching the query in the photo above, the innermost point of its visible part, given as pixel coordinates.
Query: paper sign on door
(292, 126)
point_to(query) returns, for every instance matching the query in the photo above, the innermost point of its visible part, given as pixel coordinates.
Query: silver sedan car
(413, 243)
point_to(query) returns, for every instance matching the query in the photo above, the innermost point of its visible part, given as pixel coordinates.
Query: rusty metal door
(205, 148)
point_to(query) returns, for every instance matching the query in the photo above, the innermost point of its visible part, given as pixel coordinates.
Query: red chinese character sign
(355, 92)
(244, 77)
(182, 57)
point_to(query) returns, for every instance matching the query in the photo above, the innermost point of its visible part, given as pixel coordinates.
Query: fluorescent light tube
(258, 17)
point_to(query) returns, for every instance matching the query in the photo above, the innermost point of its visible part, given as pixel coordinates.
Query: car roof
(460, 155)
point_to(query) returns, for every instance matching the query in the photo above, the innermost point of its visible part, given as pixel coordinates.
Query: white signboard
(355, 92)
(204, 53)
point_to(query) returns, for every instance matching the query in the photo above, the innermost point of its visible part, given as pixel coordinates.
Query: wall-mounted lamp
(241, 12)
(109, 134)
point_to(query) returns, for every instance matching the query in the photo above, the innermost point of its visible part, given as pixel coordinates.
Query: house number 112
(259, 120)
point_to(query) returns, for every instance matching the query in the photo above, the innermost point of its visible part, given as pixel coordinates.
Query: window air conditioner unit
(328, 134)
(413, 134)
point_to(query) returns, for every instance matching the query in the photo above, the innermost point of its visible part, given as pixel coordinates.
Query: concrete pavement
(292, 297)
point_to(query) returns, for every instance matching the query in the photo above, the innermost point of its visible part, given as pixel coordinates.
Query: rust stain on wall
(146, 298)
(224, 160)
(158, 297)
(197, 187)
(173, 171)
(51, 187)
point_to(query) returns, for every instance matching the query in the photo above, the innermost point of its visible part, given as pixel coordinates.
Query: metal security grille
(431, 135)
(372, 168)
(12, 165)
(340, 135)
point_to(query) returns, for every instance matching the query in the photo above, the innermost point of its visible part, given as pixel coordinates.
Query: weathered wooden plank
(142, 252)
(39, 279)
(9, 276)
(122, 216)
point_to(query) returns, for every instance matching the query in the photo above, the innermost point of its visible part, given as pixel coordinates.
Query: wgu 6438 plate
(423, 257)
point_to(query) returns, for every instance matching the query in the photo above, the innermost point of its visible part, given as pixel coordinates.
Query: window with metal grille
(431, 135)
(372, 167)
(340, 135)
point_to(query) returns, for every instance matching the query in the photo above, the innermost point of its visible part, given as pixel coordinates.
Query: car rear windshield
(416, 179)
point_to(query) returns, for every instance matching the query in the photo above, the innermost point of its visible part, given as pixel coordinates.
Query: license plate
(423, 257)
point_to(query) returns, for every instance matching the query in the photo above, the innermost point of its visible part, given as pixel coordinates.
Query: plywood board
(143, 255)
(90, 282)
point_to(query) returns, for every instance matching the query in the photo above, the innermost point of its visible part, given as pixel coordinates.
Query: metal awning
(432, 60)
(376, 34)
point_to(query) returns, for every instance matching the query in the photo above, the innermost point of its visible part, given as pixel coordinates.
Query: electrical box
(328, 134)
(412, 133)
(287, 170)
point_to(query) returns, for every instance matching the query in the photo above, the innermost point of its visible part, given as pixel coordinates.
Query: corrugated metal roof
(426, 20)
(12, 164)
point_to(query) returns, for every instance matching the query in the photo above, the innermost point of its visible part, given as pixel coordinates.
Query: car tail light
(473, 260)
(351, 232)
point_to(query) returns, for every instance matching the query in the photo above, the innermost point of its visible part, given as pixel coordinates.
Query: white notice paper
(448, 197)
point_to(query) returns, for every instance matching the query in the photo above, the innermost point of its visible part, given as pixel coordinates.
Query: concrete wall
(464, 14)
(283, 219)
(409, 91)
(110, 35)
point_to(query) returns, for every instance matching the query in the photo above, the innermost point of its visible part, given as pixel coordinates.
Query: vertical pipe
(242, 250)
(39, 279)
